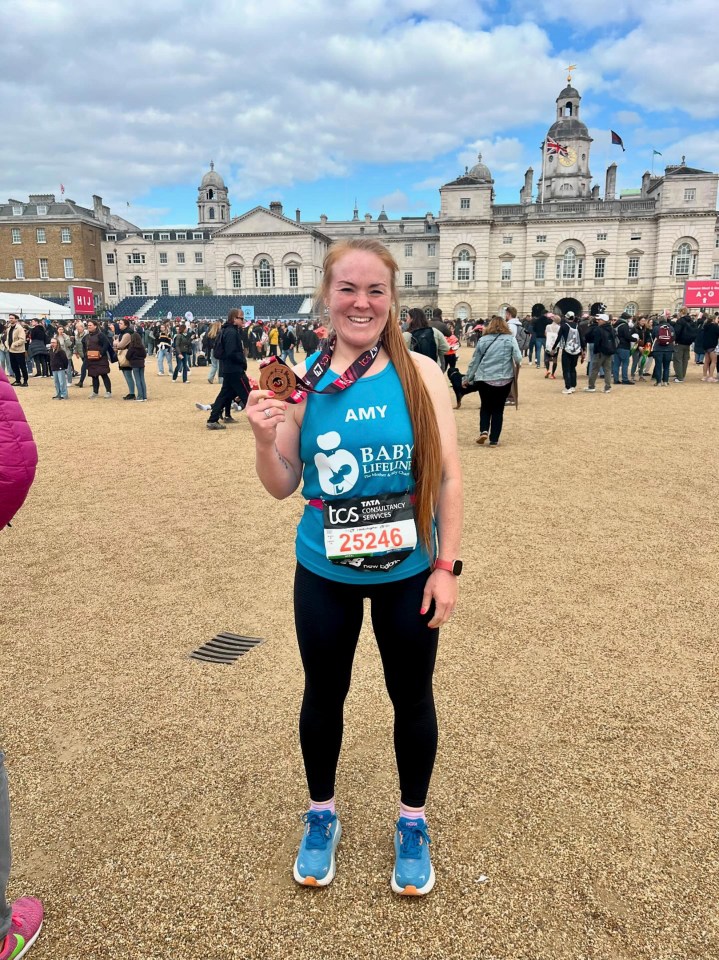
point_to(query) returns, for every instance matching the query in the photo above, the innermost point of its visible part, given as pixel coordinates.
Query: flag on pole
(655, 153)
(617, 140)
(62, 189)
(553, 146)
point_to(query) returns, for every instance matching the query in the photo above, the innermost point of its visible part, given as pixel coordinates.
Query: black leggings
(19, 367)
(491, 411)
(328, 618)
(569, 369)
(96, 383)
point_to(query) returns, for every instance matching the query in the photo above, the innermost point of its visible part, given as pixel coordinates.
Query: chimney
(323, 219)
(97, 206)
(528, 185)
(646, 180)
(610, 190)
(368, 218)
(297, 215)
(595, 192)
(276, 207)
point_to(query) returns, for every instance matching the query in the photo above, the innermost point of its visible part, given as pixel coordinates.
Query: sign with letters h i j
(82, 300)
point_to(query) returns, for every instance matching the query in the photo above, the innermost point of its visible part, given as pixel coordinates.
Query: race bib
(374, 534)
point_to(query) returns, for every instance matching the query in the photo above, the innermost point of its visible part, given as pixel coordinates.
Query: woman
(58, 368)
(493, 368)
(136, 354)
(121, 343)
(572, 343)
(183, 352)
(96, 348)
(208, 345)
(274, 340)
(38, 349)
(550, 354)
(66, 345)
(405, 444)
(164, 350)
(422, 337)
(642, 336)
(710, 343)
(78, 351)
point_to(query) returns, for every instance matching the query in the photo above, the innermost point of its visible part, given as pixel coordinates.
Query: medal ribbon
(308, 383)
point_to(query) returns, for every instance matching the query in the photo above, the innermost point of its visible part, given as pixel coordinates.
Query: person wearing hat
(605, 346)
(573, 344)
(620, 360)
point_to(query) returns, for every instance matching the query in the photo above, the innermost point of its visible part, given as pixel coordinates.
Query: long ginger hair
(427, 459)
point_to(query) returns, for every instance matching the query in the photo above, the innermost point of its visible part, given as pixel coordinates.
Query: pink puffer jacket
(18, 453)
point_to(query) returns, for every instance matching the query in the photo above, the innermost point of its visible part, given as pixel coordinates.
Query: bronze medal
(279, 378)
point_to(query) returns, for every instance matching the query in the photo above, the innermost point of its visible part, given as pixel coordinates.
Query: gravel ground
(156, 800)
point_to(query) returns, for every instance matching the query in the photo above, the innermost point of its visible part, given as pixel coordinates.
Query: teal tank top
(355, 444)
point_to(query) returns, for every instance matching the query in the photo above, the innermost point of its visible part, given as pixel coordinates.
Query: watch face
(457, 568)
(570, 159)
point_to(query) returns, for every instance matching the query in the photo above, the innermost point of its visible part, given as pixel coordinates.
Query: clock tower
(567, 176)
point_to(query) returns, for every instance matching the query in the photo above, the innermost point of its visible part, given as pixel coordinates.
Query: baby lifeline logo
(338, 469)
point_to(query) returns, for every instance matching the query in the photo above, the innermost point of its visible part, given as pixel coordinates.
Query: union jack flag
(553, 146)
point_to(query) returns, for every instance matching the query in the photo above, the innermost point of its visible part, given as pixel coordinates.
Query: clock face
(570, 159)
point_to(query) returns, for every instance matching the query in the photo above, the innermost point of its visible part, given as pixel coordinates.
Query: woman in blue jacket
(492, 367)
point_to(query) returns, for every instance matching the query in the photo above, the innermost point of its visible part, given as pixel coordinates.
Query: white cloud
(394, 203)
(628, 117)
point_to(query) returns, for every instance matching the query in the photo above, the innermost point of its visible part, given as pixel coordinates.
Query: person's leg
(56, 381)
(615, 367)
(499, 399)
(223, 400)
(594, 371)
(185, 367)
(129, 380)
(540, 344)
(451, 362)
(532, 347)
(15, 364)
(686, 350)
(95, 384)
(624, 357)
(566, 370)
(484, 406)
(606, 363)
(327, 644)
(107, 383)
(5, 851)
(83, 373)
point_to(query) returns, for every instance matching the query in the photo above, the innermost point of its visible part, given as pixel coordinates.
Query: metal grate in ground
(225, 648)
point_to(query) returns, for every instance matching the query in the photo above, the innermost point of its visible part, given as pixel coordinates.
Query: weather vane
(569, 72)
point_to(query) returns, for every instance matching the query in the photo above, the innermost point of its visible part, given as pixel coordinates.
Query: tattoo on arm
(285, 463)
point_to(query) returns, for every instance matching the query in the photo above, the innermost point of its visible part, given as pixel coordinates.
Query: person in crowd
(444, 328)
(234, 371)
(183, 352)
(164, 350)
(78, 351)
(148, 338)
(603, 338)
(65, 341)
(422, 337)
(38, 349)
(685, 332)
(287, 344)
(20, 921)
(539, 333)
(642, 345)
(274, 340)
(493, 367)
(58, 367)
(710, 346)
(551, 356)
(15, 339)
(136, 355)
(451, 354)
(620, 359)
(96, 346)
(572, 344)
(663, 342)
(409, 577)
(698, 340)
(121, 342)
(208, 345)
(195, 343)
(5, 364)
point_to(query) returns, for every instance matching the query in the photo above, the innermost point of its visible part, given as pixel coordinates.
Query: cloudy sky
(316, 103)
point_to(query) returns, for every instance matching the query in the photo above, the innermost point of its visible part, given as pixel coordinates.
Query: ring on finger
(268, 412)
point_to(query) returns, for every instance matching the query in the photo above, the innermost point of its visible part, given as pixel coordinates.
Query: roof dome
(568, 127)
(480, 171)
(212, 178)
(568, 93)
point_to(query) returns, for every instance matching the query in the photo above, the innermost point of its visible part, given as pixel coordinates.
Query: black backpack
(218, 351)
(423, 342)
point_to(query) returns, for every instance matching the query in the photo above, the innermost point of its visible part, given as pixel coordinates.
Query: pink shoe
(27, 917)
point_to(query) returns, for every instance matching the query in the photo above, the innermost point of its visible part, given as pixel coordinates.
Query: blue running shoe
(413, 873)
(315, 863)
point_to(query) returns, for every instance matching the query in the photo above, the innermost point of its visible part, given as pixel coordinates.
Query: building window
(199, 285)
(65, 235)
(633, 271)
(182, 288)
(408, 279)
(463, 266)
(294, 277)
(464, 203)
(600, 266)
(180, 256)
(572, 266)
(112, 288)
(635, 235)
(264, 274)
(236, 279)
(110, 236)
(40, 234)
(715, 272)
(42, 210)
(19, 269)
(403, 314)
(431, 278)
(507, 270)
(197, 236)
(716, 240)
(164, 236)
(211, 213)
(147, 236)
(507, 240)
(684, 262)
(690, 193)
(180, 236)
(541, 238)
(17, 211)
(163, 257)
(16, 238)
(463, 273)
(110, 258)
(428, 312)
(432, 249)
(139, 286)
(164, 288)
(601, 236)
(198, 256)
(69, 268)
(93, 269)
(539, 268)
(135, 258)
(631, 309)
(408, 249)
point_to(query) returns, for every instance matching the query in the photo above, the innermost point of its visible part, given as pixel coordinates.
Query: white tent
(28, 306)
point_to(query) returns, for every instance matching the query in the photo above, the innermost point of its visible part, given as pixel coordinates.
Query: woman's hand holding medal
(265, 412)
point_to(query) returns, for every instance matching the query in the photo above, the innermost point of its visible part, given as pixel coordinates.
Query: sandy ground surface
(156, 800)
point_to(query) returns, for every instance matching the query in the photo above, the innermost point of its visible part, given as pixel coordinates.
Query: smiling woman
(376, 450)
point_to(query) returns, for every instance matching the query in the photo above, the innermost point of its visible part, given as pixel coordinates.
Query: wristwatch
(451, 566)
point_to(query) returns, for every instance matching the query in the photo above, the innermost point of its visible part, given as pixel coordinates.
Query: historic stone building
(569, 246)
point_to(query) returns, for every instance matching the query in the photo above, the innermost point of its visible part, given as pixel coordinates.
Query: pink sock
(412, 813)
(324, 805)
